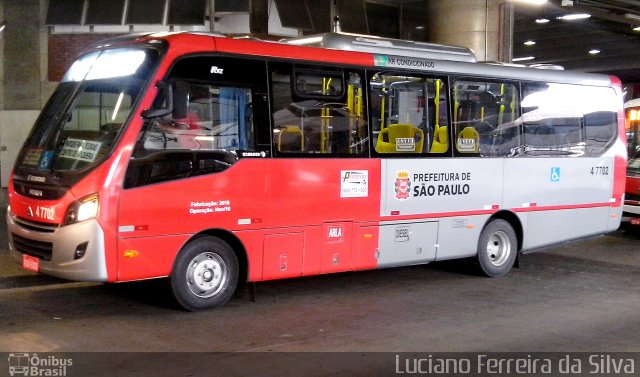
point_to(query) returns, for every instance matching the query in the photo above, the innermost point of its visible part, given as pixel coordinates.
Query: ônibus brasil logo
(25, 364)
(402, 185)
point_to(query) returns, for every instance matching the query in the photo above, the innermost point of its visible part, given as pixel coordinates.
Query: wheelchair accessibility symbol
(555, 174)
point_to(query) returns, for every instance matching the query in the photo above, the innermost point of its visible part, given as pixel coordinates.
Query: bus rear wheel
(497, 248)
(205, 274)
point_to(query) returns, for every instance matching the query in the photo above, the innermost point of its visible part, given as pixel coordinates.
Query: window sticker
(555, 174)
(82, 150)
(45, 160)
(466, 145)
(32, 157)
(405, 144)
(354, 183)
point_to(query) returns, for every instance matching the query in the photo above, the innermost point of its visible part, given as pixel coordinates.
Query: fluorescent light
(523, 58)
(117, 108)
(529, 43)
(594, 51)
(532, 2)
(574, 16)
(632, 16)
(542, 20)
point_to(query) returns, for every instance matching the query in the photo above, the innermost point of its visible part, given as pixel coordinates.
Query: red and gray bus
(216, 161)
(631, 208)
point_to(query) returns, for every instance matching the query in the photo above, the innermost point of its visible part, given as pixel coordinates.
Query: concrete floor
(582, 296)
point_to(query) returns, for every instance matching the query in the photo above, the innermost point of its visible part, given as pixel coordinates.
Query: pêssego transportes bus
(215, 161)
(631, 207)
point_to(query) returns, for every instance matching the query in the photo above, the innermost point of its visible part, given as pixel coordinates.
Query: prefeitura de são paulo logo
(402, 185)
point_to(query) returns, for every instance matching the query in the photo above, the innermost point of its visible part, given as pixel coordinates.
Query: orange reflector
(367, 236)
(131, 253)
(470, 226)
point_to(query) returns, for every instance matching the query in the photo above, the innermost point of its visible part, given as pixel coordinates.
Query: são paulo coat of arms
(402, 185)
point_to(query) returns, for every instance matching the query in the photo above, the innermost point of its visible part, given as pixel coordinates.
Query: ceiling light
(529, 43)
(523, 58)
(542, 20)
(574, 16)
(632, 16)
(637, 28)
(532, 2)
(594, 51)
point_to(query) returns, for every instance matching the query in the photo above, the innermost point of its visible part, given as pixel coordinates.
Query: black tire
(205, 274)
(497, 248)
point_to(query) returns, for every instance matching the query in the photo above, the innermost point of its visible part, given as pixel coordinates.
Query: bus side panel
(366, 241)
(253, 242)
(316, 191)
(458, 236)
(407, 243)
(324, 198)
(549, 227)
(152, 256)
(565, 197)
(283, 255)
(232, 200)
(461, 193)
(427, 188)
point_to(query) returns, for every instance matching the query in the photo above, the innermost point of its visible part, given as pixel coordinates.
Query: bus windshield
(85, 114)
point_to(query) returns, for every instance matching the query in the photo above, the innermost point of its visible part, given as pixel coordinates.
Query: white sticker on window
(405, 144)
(83, 150)
(466, 145)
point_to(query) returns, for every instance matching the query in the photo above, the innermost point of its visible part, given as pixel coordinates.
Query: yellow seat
(400, 138)
(468, 140)
(290, 139)
(440, 140)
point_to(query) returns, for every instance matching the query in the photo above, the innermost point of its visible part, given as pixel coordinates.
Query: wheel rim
(498, 248)
(207, 274)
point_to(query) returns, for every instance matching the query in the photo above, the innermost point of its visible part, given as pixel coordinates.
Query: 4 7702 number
(600, 170)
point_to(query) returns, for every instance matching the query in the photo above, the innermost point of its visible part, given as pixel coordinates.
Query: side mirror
(180, 90)
(163, 105)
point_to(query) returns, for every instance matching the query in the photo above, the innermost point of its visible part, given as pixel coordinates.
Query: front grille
(38, 249)
(35, 225)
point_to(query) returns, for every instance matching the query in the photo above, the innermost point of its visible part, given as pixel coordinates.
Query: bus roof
(632, 103)
(202, 42)
(388, 46)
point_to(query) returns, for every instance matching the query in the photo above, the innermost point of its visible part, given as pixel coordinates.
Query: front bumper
(60, 244)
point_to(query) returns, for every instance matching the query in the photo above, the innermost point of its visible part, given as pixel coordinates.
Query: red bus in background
(631, 208)
(214, 161)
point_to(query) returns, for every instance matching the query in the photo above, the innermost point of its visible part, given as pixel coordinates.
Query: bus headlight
(83, 209)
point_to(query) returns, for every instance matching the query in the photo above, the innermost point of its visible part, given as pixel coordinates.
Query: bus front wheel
(497, 248)
(205, 274)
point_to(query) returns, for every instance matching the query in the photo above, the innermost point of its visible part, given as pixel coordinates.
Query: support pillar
(21, 55)
(259, 17)
(485, 26)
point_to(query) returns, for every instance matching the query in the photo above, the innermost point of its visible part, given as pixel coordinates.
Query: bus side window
(215, 102)
(486, 118)
(317, 111)
(409, 114)
(218, 117)
(556, 118)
